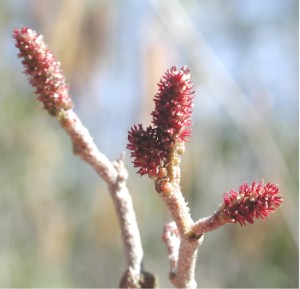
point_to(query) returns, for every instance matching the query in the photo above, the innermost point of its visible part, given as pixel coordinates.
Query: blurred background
(57, 222)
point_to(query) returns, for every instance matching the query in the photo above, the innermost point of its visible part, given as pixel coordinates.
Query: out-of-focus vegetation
(57, 223)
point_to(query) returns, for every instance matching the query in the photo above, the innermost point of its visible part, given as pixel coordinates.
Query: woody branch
(46, 76)
(157, 151)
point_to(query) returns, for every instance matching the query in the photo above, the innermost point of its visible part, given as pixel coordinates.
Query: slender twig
(211, 223)
(115, 175)
(182, 273)
(174, 199)
(172, 240)
(179, 210)
(182, 253)
(85, 148)
(127, 220)
(185, 273)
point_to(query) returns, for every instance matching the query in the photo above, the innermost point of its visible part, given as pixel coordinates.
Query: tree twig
(115, 176)
(46, 76)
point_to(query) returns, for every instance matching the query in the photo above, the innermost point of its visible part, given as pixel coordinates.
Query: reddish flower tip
(252, 201)
(174, 104)
(151, 148)
(43, 70)
(144, 149)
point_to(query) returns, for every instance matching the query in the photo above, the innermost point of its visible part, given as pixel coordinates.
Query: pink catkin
(144, 149)
(151, 148)
(174, 105)
(43, 70)
(252, 201)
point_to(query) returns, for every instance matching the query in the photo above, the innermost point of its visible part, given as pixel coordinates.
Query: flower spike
(157, 147)
(43, 70)
(258, 200)
(143, 144)
(174, 105)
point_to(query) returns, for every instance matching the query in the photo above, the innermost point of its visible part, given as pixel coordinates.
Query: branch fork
(157, 151)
